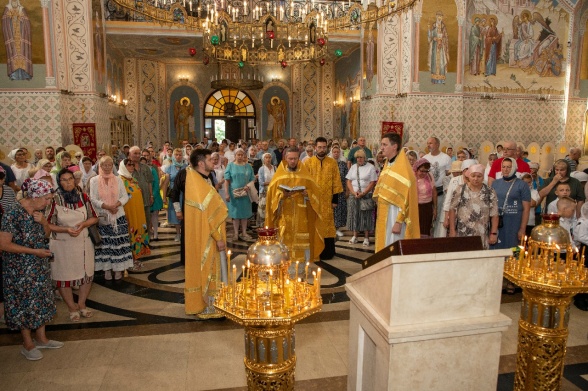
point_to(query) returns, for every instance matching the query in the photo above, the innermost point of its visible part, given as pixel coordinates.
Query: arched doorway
(229, 113)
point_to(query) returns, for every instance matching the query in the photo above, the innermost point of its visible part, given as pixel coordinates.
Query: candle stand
(270, 297)
(549, 278)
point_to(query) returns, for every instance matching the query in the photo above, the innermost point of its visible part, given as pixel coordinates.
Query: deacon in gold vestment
(396, 196)
(325, 172)
(204, 214)
(295, 213)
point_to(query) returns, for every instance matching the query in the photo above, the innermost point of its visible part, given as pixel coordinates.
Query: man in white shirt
(440, 166)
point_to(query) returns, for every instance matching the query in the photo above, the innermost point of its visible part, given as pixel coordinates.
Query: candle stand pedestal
(270, 297)
(549, 279)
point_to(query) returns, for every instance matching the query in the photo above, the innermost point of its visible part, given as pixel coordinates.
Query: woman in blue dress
(27, 271)
(171, 170)
(237, 175)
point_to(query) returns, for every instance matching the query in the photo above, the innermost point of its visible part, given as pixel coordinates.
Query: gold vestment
(295, 216)
(204, 223)
(328, 179)
(397, 186)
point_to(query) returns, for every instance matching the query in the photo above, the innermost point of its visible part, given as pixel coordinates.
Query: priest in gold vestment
(292, 206)
(325, 172)
(204, 214)
(396, 196)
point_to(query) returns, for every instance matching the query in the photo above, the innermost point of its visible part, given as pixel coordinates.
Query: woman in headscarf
(427, 196)
(70, 215)
(491, 159)
(108, 195)
(62, 160)
(20, 167)
(361, 180)
(7, 200)
(219, 172)
(265, 175)
(26, 257)
(474, 208)
(87, 173)
(171, 170)
(514, 203)
(135, 213)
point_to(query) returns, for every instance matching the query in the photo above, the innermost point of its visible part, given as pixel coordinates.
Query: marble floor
(140, 339)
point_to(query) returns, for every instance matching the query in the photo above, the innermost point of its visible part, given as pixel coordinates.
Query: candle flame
(557, 247)
(229, 252)
(271, 272)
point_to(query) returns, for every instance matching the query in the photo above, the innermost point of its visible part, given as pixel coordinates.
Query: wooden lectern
(427, 321)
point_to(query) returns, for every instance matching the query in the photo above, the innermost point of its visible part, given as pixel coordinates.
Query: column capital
(460, 21)
(45, 3)
(417, 17)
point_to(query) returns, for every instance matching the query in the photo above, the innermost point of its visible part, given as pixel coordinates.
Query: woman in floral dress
(340, 211)
(135, 213)
(26, 257)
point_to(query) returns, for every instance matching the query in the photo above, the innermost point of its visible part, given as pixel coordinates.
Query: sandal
(74, 316)
(86, 313)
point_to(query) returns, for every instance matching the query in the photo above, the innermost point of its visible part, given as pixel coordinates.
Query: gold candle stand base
(270, 359)
(542, 340)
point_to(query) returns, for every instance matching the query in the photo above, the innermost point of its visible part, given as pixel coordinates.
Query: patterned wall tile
(406, 52)
(31, 119)
(77, 28)
(327, 86)
(388, 60)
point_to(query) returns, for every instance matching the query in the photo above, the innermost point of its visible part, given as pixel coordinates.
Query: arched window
(229, 103)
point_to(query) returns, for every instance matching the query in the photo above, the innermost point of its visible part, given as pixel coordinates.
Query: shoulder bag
(366, 202)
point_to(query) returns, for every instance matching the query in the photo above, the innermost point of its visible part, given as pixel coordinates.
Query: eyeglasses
(423, 170)
(130, 164)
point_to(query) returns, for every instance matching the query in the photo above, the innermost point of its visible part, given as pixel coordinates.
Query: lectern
(427, 322)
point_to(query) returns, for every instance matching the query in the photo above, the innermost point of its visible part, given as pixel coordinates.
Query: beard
(321, 154)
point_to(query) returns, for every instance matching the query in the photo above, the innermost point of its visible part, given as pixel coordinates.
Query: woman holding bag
(237, 176)
(361, 180)
(69, 217)
(108, 195)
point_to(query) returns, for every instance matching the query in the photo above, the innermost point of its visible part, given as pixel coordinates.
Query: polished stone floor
(140, 339)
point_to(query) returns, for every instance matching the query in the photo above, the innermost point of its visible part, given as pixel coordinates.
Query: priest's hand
(396, 228)
(220, 244)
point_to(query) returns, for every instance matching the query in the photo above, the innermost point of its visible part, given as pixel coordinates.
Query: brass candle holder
(550, 271)
(269, 298)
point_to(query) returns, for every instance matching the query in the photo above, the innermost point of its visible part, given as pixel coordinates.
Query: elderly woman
(187, 152)
(108, 195)
(265, 175)
(21, 167)
(474, 207)
(69, 217)
(171, 170)
(26, 267)
(340, 211)
(87, 173)
(237, 177)
(562, 171)
(134, 210)
(514, 203)
(219, 172)
(427, 196)
(7, 199)
(412, 156)
(361, 180)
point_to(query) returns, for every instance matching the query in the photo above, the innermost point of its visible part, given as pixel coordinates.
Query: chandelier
(264, 31)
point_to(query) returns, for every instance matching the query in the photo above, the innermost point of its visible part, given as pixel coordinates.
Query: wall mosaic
(77, 26)
(326, 98)
(520, 47)
(59, 45)
(131, 94)
(310, 104)
(388, 59)
(148, 72)
(406, 52)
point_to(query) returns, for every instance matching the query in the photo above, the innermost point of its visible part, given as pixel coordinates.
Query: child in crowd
(535, 198)
(566, 209)
(562, 189)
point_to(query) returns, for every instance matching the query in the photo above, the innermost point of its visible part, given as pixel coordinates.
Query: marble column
(459, 81)
(49, 75)
(415, 80)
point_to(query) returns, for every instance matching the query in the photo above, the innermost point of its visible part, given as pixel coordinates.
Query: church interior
(472, 73)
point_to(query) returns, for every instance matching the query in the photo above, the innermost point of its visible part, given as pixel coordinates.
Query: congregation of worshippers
(89, 216)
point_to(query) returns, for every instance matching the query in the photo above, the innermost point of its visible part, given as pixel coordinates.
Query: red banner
(392, 127)
(85, 137)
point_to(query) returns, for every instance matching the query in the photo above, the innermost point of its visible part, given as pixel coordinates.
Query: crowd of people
(66, 217)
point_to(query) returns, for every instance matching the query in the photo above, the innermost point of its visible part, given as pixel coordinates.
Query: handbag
(93, 232)
(240, 192)
(366, 202)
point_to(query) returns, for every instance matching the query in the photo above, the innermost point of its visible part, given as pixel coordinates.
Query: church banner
(392, 127)
(85, 136)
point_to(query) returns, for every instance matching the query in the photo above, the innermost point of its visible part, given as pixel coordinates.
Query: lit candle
(234, 284)
(248, 269)
(289, 41)
(269, 287)
(306, 271)
(318, 284)
(228, 263)
(296, 275)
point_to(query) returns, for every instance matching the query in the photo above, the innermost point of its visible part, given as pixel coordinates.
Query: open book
(295, 188)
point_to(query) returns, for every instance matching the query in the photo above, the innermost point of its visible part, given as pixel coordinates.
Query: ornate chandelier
(263, 31)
